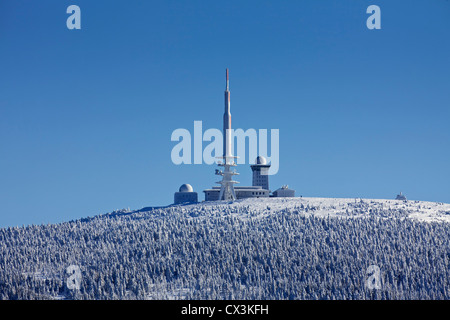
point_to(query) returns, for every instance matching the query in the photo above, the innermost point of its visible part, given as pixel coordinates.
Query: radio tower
(227, 183)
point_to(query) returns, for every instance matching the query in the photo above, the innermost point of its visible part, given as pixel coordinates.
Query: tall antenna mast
(227, 183)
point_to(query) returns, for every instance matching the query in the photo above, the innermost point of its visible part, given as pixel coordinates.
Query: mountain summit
(271, 248)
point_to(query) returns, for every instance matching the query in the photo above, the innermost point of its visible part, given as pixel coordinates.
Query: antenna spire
(228, 81)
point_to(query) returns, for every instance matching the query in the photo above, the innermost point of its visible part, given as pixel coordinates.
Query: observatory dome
(186, 188)
(260, 160)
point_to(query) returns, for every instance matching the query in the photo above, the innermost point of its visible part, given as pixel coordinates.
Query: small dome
(186, 188)
(260, 160)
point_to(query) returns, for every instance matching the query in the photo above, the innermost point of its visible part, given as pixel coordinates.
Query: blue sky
(86, 115)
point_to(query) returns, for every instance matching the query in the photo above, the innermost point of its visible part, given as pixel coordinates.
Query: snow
(333, 207)
(263, 248)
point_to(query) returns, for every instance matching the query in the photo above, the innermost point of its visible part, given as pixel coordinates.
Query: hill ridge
(276, 248)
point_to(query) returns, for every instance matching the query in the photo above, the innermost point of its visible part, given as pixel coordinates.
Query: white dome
(186, 188)
(260, 160)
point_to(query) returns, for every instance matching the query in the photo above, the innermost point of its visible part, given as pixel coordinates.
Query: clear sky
(86, 115)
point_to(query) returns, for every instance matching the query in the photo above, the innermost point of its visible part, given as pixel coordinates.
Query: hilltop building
(284, 191)
(261, 173)
(400, 196)
(185, 194)
(259, 188)
(227, 189)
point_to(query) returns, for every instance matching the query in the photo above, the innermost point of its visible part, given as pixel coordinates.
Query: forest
(245, 251)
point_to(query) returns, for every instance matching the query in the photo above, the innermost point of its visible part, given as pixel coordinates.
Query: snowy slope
(336, 207)
(266, 248)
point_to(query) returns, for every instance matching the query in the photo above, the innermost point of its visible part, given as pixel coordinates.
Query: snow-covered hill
(273, 248)
(336, 207)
